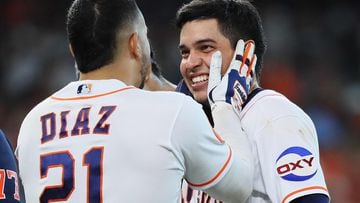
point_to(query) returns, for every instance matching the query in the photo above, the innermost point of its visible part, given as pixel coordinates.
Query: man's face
(199, 39)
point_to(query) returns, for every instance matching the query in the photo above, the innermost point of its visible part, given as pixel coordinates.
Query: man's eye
(184, 54)
(207, 48)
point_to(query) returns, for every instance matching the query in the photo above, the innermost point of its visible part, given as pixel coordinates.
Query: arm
(313, 198)
(209, 163)
(226, 96)
(242, 172)
(289, 155)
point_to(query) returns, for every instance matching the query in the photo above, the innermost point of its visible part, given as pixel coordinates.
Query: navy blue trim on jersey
(182, 87)
(7, 159)
(206, 108)
(313, 198)
(252, 95)
(8, 165)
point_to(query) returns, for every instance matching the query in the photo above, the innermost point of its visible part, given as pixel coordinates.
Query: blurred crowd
(313, 58)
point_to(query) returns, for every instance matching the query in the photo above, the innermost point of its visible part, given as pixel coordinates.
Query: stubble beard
(145, 65)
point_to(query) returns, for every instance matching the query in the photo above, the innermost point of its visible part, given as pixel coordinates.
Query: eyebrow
(182, 46)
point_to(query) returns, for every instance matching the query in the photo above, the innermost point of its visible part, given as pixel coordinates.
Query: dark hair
(237, 19)
(92, 27)
(155, 68)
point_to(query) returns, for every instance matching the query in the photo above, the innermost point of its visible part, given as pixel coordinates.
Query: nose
(192, 61)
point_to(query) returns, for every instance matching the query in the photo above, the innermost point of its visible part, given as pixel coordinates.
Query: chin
(201, 97)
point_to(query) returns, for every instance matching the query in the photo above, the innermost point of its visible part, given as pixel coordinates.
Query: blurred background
(313, 58)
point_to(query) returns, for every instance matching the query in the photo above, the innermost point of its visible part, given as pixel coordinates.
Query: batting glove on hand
(234, 87)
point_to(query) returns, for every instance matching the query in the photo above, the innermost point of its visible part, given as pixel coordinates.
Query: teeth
(200, 78)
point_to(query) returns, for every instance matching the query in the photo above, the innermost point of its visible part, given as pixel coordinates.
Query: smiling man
(283, 137)
(198, 40)
(102, 139)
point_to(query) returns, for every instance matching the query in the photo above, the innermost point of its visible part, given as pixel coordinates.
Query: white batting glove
(233, 88)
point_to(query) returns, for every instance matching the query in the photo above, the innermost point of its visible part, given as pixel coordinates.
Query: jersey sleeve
(9, 188)
(204, 155)
(289, 158)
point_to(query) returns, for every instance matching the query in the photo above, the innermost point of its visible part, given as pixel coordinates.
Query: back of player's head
(237, 19)
(93, 27)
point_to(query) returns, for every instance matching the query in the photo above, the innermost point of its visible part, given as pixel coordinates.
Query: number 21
(92, 159)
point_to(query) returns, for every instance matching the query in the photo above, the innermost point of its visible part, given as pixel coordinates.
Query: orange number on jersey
(13, 175)
(2, 184)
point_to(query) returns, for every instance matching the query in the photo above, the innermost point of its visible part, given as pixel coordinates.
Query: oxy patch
(296, 164)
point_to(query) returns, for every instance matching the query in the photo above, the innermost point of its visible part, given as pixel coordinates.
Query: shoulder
(268, 107)
(40, 107)
(168, 99)
(4, 141)
(7, 159)
(271, 104)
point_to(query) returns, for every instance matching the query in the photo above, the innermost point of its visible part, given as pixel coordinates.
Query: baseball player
(9, 184)
(283, 138)
(103, 140)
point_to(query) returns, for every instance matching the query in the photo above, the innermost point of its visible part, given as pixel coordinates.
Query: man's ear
(134, 46)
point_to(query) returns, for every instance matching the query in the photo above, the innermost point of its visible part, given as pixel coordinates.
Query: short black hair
(237, 19)
(155, 68)
(92, 27)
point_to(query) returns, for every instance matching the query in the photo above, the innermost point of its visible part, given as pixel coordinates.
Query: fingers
(247, 58)
(215, 70)
(252, 65)
(238, 56)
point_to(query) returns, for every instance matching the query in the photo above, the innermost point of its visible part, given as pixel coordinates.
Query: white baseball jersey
(285, 148)
(190, 195)
(284, 139)
(105, 142)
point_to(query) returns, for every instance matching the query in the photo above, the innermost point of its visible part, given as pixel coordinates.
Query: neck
(254, 85)
(159, 84)
(116, 70)
(102, 73)
(167, 85)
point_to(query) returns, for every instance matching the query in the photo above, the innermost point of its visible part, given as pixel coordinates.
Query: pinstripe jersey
(102, 141)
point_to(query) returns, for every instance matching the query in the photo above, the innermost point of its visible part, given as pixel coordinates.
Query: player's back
(100, 141)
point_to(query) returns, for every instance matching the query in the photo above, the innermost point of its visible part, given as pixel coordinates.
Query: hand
(234, 87)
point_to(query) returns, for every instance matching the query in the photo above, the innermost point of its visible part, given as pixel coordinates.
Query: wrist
(225, 118)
